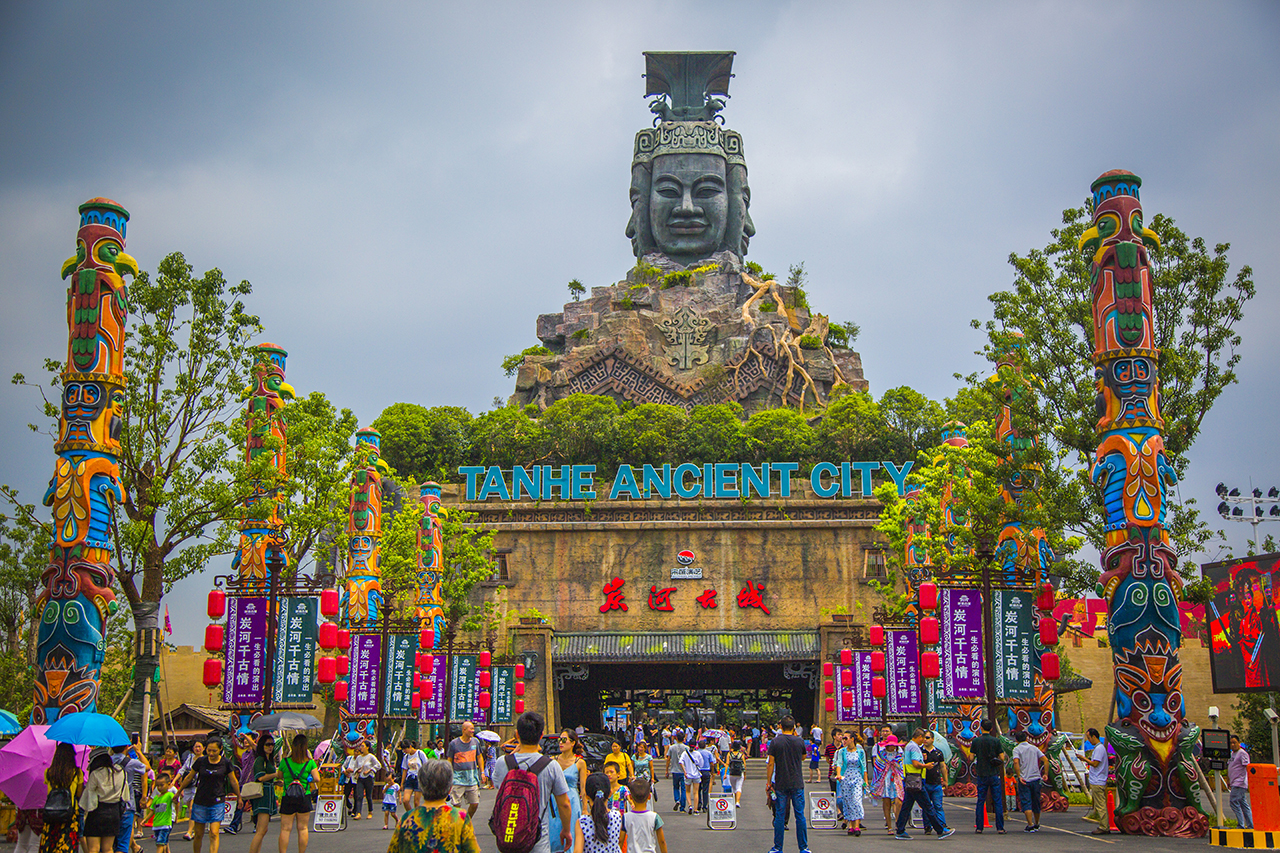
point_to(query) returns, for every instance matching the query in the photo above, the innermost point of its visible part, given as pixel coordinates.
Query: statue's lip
(689, 226)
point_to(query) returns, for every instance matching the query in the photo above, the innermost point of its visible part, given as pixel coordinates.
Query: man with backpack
(526, 781)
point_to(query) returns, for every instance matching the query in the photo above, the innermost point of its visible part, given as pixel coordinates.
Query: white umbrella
(491, 737)
(940, 744)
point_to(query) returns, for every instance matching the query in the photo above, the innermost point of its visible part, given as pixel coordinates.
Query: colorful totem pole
(362, 588)
(1157, 788)
(429, 605)
(266, 435)
(77, 599)
(916, 565)
(953, 513)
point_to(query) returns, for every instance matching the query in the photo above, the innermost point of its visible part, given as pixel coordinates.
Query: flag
(168, 629)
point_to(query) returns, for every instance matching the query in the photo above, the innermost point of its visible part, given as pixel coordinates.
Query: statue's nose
(686, 202)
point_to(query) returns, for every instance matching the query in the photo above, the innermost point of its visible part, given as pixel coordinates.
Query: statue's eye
(71, 613)
(107, 252)
(80, 250)
(1135, 222)
(51, 613)
(1108, 225)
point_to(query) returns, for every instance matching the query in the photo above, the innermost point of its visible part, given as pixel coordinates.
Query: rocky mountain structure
(691, 324)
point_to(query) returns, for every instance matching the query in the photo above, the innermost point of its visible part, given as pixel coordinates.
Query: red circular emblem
(685, 558)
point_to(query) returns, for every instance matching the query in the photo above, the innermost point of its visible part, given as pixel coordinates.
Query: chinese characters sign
(961, 653)
(295, 661)
(902, 665)
(504, 679)
(463, 684)
(397, 700)
(858, 679)
(246, 645)
(432, 710)
(1012, 614)
(366, 666)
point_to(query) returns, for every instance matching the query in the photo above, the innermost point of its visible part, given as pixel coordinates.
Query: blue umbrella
(88, 729)
(9, 724)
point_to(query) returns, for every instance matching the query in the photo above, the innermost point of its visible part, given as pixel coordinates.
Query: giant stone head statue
(689, 192)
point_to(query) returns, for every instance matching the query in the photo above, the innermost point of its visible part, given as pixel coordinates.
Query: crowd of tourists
(104, 808)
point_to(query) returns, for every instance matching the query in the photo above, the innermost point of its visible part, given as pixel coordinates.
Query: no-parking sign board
(330, 814)
(822, 810)
(722, 813)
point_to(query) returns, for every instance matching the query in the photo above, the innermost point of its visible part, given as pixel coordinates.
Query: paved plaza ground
(754, 834)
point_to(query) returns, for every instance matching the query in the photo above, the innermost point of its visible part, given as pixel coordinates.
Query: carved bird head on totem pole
(97, 301)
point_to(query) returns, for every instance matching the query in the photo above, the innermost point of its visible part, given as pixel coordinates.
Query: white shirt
(1028, 757)
(689, 766)
(1098, 775)
(815, 734)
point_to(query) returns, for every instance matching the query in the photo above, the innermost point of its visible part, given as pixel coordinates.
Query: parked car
(594, 748)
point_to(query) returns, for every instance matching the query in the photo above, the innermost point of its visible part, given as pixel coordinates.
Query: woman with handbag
(102, 803)
(63, 776)
(260, 790)
(298, 771)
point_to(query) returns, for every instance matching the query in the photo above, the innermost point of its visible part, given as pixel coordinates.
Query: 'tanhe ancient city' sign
(713, 480)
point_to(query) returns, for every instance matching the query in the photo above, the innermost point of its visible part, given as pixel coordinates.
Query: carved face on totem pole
(97, 301)
(267, 397)
(1122, 317)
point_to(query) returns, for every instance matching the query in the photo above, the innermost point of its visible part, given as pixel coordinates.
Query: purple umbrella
(23, 762)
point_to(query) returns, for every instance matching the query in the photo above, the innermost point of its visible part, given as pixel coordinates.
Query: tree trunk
(146, 625)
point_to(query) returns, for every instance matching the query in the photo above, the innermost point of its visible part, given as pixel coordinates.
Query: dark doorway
(583, 696)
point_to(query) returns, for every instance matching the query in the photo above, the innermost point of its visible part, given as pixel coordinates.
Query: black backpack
(59, 807)
(736, 766)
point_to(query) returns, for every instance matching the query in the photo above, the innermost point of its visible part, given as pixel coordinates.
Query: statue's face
(688, 205)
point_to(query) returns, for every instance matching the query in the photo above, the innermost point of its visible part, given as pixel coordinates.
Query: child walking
(390, 799)
(600, 830)
(162, 812)
(643, 827)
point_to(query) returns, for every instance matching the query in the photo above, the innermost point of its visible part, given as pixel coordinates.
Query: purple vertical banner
(245, 648)
(481, 715)
(432, 710)
(865, 704)
(366, 664)
(902, 665)
(961, 657)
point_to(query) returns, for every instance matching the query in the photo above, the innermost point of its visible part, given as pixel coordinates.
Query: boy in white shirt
(389, 801)
(643, 827)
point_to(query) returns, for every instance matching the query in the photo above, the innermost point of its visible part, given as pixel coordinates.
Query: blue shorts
(208, 814)
(411, 783)
(161, 834)
(1029, 796)
(389, 807)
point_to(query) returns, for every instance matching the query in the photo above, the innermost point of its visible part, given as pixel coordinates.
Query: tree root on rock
(786, 346)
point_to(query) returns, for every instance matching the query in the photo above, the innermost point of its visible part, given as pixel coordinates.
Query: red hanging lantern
(212, 673)
(416, 701)
(326, 670)
(343, 664)
(930, 665)
(485, 700)
(877, 687)
(519, 670)
(846, 657)
(344, 638)
(877, 635)
(828, 669)
(1048, 632)
(427, 689)
(830, 704)
(829, 687)
(213, 638)
(485, 660)
(217, 605)
(519, 706)
(417, 681)
(928, 595)
(340, 691)
(329, 603)
(929, 630)
(1050, 668)
(427, 662)
(328, 635)
(484, 679)
(1045, 598)
(519, 688)
(877, 661)
(426, 639)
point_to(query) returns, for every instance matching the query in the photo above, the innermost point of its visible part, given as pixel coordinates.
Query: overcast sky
(408, 186)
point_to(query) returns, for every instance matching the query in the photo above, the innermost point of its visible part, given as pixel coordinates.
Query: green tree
(505, 437)
(576, 289)
(467, 561)
(713, 434)
(511, 363)
(23, 554)
(424, 443)
(650, 433)
(578, 429)
(1197, 301)
(849, 426)
(779, 435)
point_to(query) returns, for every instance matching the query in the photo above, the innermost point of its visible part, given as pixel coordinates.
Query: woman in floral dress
(435, 826)
(851, 772)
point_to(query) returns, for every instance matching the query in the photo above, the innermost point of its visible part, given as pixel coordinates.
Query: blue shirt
(703, 759)
(911, 753)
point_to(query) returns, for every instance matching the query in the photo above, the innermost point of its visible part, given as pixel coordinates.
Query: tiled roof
(700, 646)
